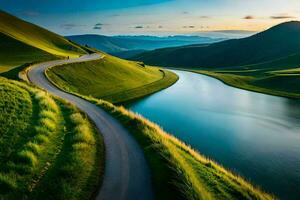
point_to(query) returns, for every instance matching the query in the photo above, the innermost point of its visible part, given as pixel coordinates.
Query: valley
(168, 158)
(129, 46)
(135, 116)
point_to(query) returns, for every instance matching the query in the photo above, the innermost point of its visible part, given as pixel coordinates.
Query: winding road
(126, 175)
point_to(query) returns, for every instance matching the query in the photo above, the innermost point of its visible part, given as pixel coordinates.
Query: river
(253, 134)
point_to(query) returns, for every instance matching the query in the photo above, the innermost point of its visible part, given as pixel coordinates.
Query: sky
(154, 17)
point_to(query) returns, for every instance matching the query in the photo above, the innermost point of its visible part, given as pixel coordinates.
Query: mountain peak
(291, 26)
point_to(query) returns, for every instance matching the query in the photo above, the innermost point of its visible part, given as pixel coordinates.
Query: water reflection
(254, 134)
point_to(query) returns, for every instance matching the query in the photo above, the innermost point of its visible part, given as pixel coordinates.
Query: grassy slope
(48, 149)
(180, 172)
(279, 77)
(14, 53)
(38, 37)
(22, 42)
(111, 78)
(273, 85)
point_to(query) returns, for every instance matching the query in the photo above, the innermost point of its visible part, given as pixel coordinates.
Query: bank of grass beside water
(48, 148)
(111, 78)
(178, 171)
(168, 79)
(278, 83)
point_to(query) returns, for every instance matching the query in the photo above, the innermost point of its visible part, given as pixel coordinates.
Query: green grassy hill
(38, 37)
(14, 53)
(48, 149)
(277, 42)
(277, 83)
(22, 42)
(278, 77)
(111, 78)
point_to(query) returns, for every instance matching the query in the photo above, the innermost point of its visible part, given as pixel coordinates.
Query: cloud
(283, 16)
(71, 26)
(249, 17)
(99, 26)
(234, 31)
(139, 27)
(191, 26)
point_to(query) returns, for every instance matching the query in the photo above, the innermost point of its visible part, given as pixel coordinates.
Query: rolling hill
(111, 78)
(277, 42)
(14, 53)
(128, 46)
(38, 37)
(279, 77)
(22, 42)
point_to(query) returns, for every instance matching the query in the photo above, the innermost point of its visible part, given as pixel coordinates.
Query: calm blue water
(255, 135)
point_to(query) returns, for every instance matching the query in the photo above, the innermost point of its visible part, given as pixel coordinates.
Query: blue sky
(67, 6)
(153, 17)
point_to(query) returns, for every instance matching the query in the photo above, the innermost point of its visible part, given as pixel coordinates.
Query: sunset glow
(155, 17)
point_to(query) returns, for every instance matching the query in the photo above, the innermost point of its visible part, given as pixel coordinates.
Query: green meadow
(14, 53)
(279, 77)
(48, 148)
(285, 85)
(110, 78)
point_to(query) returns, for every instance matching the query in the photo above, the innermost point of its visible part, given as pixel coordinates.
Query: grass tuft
(48, 123)
(48, 115)
(34, 147)
(28, 157)
(41, 139)
(7, 183)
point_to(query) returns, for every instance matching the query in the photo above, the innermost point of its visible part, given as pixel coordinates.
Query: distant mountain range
(277, 42)
(128, 46)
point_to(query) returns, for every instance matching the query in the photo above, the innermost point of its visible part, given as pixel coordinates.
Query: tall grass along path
(126, 175)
